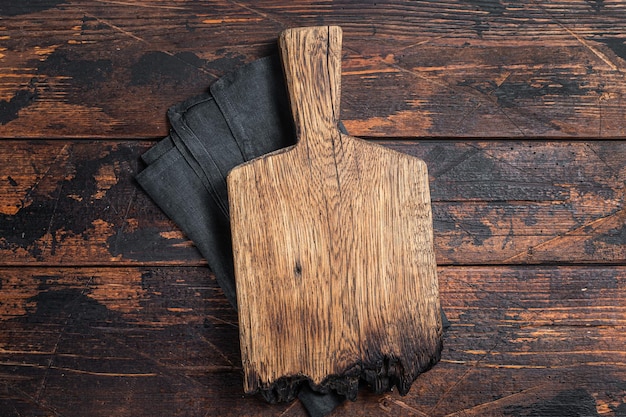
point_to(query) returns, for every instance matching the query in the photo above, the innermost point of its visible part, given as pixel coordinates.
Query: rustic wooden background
(518, 108)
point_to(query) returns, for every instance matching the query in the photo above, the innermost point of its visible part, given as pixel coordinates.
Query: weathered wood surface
(107, 309)
(454, 68)
(138, 341)
(343, 229)
(525, 339)
(494, 202)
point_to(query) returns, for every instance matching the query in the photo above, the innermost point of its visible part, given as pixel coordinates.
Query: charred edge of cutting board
(381, 375)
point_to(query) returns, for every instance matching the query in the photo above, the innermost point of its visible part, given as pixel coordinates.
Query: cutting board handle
(311, 59)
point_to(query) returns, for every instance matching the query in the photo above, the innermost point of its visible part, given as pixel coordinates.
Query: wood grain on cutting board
(332, 239)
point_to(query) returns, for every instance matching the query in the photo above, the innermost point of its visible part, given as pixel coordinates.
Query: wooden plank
(77, 203)
(499, 202)
(110, 69)
(526, 202)
(122, 341)
(524, 340)
(541, 336)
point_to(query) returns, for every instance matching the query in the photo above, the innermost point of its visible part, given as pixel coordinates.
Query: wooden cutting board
(333, 247)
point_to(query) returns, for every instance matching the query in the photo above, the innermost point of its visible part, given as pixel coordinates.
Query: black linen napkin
(244, 115)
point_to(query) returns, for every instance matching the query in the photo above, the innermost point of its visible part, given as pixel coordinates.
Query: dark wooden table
(518, 108)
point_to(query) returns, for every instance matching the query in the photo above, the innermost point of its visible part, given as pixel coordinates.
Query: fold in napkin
(244, 115)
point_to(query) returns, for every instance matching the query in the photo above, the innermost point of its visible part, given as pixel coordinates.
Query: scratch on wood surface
(140, 39)
(500, 365)
(473, 367)
(404, 406)
(151, 6)
(420, 43)
(77, 371)
(59, 355)
(596, 224)
(528, 173)
(218, 350)
(483, 97)
(465, 156)
(506, 400)
(590, 47)
(32, 400)
(258, 12)
(390, 62)
(222, 20)
(460, 124)
(219, 320)
(115, 27)
(476, 364)
(598, 352)
(286, 410)
(203, 369)
(50, 223)
(615, 174)
(52, 165)
(120, 230)
(509, 237)
(506, 115)
(55, 348)
(576, 36)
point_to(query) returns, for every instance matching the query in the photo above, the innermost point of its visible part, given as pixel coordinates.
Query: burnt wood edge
(381, 375)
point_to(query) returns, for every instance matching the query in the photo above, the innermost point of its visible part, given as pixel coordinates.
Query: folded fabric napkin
(245, 114)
